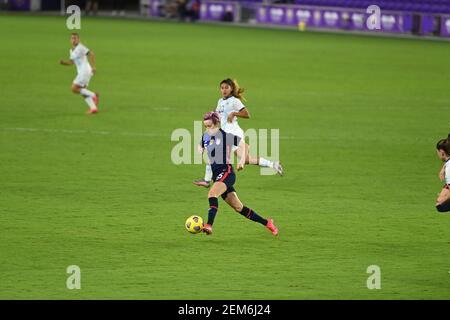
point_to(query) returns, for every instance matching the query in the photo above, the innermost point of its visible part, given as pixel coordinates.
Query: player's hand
(231, 117)
(62, 62)
(94, 70)
(240, 166)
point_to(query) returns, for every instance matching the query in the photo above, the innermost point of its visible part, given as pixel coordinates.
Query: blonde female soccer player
(229, 108)
(218, 145)
(84, 60)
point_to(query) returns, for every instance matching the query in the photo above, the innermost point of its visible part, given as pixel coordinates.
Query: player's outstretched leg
(233, 200)
(262, 162)
(252, 215)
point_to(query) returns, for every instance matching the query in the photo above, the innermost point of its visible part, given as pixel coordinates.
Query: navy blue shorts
(227, 176)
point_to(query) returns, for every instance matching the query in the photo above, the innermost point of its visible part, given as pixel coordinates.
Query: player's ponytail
(236, 91)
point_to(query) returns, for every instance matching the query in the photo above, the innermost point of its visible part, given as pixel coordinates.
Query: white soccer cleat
(278, 167)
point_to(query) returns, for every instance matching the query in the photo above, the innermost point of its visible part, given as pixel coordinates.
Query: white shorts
(83, 79)
(237, 132)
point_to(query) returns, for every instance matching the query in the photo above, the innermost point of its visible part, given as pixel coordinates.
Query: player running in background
(218, 144)
(79, 55)
(230, 107)
(443, 152)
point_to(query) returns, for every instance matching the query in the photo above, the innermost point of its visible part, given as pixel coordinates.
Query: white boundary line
(70, 131)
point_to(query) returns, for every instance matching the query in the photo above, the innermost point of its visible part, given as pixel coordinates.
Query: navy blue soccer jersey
(218, 148)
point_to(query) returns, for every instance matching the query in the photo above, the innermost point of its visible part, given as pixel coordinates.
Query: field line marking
(74, 131)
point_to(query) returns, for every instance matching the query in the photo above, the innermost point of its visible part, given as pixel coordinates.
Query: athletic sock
(265, 163)
(87, 93)
(213, 206)
(90, 103)
(208, 173)
(252, 215)
(443, 207)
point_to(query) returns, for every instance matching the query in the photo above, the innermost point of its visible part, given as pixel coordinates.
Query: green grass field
(359, 118)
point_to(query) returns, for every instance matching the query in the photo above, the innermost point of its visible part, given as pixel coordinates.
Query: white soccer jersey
(79, 56)
(224, 108)
(447, 172)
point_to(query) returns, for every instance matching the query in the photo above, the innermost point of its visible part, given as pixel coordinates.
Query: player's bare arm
(442, 173)
(66, 62)
(241, 114)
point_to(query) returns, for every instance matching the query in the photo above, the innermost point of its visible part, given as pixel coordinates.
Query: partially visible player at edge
(230, 107)
(218, 144)
(443, 152)
(79, 55)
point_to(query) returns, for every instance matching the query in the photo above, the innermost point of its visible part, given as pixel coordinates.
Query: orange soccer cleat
(272, 227)
(96, 98)
(207, 228)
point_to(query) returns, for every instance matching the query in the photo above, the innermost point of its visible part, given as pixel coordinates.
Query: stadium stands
(420, 6)
(414, 6)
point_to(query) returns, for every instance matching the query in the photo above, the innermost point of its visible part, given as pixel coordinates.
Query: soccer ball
(194, 224)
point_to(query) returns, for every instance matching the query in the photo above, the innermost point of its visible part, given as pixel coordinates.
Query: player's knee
(212, 194)
(75, 89)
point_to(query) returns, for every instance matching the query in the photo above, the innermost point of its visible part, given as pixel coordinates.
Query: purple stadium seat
(420, 6)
